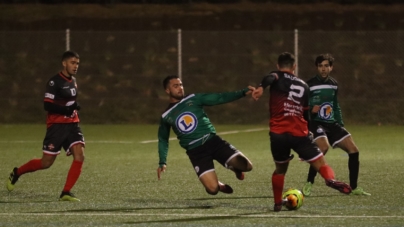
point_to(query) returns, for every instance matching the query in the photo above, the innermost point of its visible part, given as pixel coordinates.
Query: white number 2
(295, 91)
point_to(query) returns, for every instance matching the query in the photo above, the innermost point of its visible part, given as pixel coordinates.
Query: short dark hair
(323, 57)
(286, 60)
(166, 80)
(69, 54)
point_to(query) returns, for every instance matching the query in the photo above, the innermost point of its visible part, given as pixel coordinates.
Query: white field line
(201, 215)
(130, 142)
(220, 133)
(87, 141)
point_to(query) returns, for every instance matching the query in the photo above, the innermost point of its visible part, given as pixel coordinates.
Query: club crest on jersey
(186, 122)
(326, 111)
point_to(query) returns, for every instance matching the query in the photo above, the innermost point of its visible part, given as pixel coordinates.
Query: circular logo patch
(326, 111)
(186, 122)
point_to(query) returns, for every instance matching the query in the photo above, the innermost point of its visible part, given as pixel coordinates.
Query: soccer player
(288, 107)
(326, 122)
(196, 134)
(62, 127)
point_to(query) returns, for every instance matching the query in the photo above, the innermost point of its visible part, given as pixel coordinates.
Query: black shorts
(62, 135)
(282, 144)
(334, 132)
(214, 149)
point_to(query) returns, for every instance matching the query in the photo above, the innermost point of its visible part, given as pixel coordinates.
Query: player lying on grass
(288, 107)
(196, 134)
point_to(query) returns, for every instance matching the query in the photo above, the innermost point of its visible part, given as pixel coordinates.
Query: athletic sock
(277, 187)
(353, 166)
(312, 174)
(326, 172)
(73, 175)
(31, 166)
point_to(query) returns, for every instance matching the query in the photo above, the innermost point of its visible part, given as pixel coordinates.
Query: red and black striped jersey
(61, 90)
(287, 103)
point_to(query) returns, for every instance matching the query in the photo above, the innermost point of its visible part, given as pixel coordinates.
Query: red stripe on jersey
(48, 100)
(58, 118)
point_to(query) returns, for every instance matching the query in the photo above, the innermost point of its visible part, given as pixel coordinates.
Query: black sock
(353, 166)
(312, 174)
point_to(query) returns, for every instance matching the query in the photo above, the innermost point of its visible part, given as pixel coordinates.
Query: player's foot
(239, 174)
(340, 186)
(68, 196)
(225, 188)
(12, 179)
(278, 207)
(307, 188)
(359, 191)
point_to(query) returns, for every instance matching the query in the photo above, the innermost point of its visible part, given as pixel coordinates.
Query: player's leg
(51, 148)
(75, 146)
(347, 144)
(73, 175)
(231, 158)
(328, 174)
(31, 166)
(239, 163)
(321, 141)
(212, 185)
(309, 152)
(280, 150)
(278, 182)
(202, 160)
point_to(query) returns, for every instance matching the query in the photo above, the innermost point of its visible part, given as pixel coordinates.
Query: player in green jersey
(326, 122)
(197, 135)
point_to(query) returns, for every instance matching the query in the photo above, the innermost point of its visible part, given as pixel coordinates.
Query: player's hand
(161, 169)
(251, 90)
(257, 93)
(315, 109)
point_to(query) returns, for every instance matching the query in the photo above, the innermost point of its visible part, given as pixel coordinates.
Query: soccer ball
(294, 199)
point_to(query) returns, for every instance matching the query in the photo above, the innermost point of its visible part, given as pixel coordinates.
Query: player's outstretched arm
(161, 169)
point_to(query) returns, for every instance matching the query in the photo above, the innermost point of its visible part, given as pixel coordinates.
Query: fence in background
(120, 73)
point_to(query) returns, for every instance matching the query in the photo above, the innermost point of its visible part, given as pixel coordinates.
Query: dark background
(309, 15)
(126, 50)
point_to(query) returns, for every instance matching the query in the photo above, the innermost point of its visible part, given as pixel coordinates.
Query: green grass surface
(119, 186)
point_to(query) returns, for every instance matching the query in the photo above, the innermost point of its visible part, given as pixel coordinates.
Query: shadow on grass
(213, 218)
(25, 202)
(260, 197)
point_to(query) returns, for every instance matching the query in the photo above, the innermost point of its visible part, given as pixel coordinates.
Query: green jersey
(323, 92)
(189, 121)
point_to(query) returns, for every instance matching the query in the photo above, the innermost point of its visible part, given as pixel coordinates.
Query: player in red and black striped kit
(288, 107)
(62, 127)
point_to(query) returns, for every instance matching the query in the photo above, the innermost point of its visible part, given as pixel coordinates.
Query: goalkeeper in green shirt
(196, 134)
(326, 122)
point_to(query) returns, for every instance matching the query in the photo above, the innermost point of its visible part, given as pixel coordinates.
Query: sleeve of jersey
(337, 111)
(163, 136)
(212, 99)
(268, 79)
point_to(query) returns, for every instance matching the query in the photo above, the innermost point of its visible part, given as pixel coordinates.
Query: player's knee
(323, 148)
(46, 165)
(244, 162)
(212, 190)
